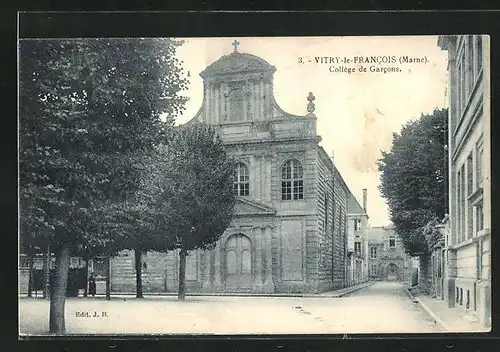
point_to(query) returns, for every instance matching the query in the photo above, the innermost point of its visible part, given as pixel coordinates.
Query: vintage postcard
(254, 185)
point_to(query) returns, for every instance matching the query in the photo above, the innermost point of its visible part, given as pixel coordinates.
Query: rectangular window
(462, 85)
(461, 296)
(463, 204)
(479, 53)
(298, 189)
(459, 90)
(392, 242)
(464, 90)
(357, 248)
(470, 64)
(479, 162)
(373, 270)
(373, 252)
(286, 190)
(470, 174)
(357, 224)
(479, 217)
(457, 297)
(470, 183)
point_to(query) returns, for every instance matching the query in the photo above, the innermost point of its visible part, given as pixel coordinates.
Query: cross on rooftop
(235, 44)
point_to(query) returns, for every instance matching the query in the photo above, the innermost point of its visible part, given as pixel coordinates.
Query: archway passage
(238, 263)
(392, 272)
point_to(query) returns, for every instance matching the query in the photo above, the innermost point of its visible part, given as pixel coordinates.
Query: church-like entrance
(238, 263)
(392, 272)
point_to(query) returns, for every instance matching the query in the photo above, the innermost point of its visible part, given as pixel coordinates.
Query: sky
(358, 112)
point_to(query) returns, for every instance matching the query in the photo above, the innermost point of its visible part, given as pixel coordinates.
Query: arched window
(292, 181)
(242, 184)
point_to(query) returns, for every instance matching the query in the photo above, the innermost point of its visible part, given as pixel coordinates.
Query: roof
(237, 62)
(353, 206)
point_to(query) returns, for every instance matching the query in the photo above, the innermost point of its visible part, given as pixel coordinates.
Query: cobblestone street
(381, 308)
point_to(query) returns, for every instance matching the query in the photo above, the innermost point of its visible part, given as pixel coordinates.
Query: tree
(413, 179)
(197, 191)
(89, 112)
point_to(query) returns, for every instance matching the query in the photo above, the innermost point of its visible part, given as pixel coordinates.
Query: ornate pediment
(247, 207)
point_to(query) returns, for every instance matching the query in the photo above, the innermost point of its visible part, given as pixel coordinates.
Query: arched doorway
(238, 262)
(392, 272)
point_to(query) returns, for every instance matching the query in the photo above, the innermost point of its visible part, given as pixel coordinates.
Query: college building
(467, 245)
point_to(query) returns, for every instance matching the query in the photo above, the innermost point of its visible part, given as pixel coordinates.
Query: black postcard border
(239, 24)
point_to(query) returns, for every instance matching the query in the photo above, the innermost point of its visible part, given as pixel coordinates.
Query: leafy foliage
(198, 187)
(90, 112)
(413, 178)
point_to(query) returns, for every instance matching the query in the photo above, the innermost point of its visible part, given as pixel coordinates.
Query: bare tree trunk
(45, 269)
(58, 296)
(46, 288)
(85, 291)
(181, 295)
(30, 275)
(108, 279)
(138, 273)
(424, 274)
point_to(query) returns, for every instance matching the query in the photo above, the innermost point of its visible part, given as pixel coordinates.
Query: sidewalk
(451, 319)
(331, 294)
(344, 291)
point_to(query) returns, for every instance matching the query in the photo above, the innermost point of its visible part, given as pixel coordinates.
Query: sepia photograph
(254, 185)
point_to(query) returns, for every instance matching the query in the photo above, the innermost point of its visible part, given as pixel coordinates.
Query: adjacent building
(467, 277)
(357, 223)
(386, 260)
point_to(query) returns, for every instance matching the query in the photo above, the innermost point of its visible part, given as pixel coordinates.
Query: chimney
(364, 198)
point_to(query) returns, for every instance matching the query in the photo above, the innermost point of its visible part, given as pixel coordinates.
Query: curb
(433, 315)
(333, 294)
(229, 294)
(413, 299)
(354, 289)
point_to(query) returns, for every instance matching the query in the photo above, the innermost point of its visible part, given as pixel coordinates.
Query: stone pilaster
(206, 285)
(253, 177)
(257, 235)
(217, 284)
(450, 276)
(261, 100)
(268, 286)
(267, 190)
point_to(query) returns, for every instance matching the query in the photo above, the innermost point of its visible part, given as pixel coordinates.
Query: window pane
(286, 190)
(246, 262)
(231, 263)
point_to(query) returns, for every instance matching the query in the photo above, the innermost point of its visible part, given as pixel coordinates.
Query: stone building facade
(289, 231)
(357, 217)
(467, 282)
(387, 260)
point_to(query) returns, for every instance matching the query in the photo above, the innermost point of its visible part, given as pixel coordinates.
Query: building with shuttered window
(467, 259)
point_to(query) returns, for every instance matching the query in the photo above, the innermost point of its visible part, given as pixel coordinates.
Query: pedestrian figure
(92, 285)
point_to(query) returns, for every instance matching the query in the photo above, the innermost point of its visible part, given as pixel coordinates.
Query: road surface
(380, 308)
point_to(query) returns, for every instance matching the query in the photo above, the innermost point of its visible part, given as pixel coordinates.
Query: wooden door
(392, 272)
(238, 260)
